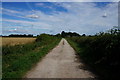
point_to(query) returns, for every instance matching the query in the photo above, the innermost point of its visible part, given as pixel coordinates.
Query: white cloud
(86, 18)
(81, 17)
(33, 16)
(60, 0)
(10, 11)
(41, 25)
(24, 14)
(43, 5)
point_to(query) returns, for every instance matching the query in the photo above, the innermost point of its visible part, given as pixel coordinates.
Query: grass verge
(16, 64)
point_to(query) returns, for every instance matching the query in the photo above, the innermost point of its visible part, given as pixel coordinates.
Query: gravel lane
(61, 62)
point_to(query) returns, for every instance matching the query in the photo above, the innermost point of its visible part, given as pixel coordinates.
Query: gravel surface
(61, 62)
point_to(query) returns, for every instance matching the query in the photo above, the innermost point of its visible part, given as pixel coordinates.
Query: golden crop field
(15, 40)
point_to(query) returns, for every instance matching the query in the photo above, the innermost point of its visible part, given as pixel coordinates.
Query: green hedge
(101, 52)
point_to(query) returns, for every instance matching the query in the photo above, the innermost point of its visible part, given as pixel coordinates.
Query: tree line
(19, 35)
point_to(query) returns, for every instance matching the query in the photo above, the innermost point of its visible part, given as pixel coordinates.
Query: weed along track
(59, 63)
(19, 59)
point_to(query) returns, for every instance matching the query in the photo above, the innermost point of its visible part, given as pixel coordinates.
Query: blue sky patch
(83, 17)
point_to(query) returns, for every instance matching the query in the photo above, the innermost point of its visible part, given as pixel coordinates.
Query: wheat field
(15, 40)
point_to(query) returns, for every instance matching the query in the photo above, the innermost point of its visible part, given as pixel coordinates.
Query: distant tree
(90, 35)
(63, 34)
(83, 35)
(69, 34)
(30, 35)
(58, 35)
(42, 37)
(20, 35)
(75, 34)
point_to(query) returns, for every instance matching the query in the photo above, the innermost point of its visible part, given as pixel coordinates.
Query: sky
(53, 17)
(60, 0)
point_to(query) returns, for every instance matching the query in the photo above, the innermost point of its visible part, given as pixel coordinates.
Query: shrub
(101, 52)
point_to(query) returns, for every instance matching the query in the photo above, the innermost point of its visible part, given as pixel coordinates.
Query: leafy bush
(101, 52)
